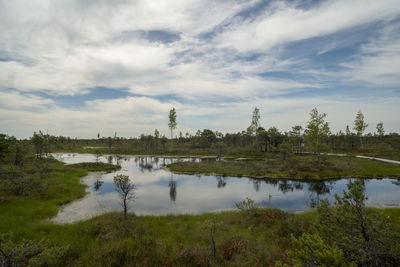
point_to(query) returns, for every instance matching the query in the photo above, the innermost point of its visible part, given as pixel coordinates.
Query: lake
(161, 192)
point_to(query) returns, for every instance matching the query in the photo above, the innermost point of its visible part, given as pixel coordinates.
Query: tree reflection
(256, 185)
(145, 165)
(221, 182)
(317, 189)
(172, 189)
(396, 182)
(320, 187)
(286, 186)
(156, 159)
(98, 184)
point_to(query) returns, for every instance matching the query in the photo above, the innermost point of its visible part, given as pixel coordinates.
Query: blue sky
(79, 68)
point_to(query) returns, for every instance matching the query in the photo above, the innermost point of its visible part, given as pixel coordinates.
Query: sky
(82, 67)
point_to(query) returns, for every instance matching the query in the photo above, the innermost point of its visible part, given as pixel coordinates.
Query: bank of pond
(194, 220)
(160, 191)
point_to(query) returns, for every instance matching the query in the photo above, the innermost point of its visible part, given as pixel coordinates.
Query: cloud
(283, 22)
(212, 60)
(379, 60)
(16, 101)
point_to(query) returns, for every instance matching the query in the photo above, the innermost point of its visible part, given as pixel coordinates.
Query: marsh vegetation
(340, 231)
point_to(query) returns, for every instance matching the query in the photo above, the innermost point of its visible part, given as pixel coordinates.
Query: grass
(253, 237)
(20, 214)
(297, 167)
(257, 238)
(96, 166)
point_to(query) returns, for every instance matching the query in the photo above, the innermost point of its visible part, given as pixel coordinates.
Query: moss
(96, 166)
(298, 167)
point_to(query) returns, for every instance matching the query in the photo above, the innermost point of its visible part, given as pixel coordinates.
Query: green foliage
(96, 166)
(4, 147)
(285, 149)
(311, 250)
(359, 123)
(248, 205)
(221, 147)
(40, 142)
(317, 129)
(172, 120)
(207, 138)
(255, 122)
(380, 130)
(298, 167)
(29, 252)
(296, 138)
(126, 190)
(364, 235)
(348, 234)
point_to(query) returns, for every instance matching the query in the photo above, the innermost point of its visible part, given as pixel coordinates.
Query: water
(162, 192)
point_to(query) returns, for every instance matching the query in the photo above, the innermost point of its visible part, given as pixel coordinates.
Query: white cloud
(15, 100)
(379, 61)
(286, 23)
(66, 47)
(133, 116)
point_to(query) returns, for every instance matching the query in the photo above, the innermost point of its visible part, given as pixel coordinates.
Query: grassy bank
(257, 237)
(297, 167)
(260, 238)
(96, 166)
(250, 237)
(28, 199)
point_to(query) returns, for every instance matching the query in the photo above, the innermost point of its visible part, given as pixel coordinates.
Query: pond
(161, 192)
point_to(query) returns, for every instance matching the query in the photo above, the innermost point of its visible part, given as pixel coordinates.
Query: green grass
(258, 238)
(21, 214)
(96, 166)
(255, 237)
(298, 167)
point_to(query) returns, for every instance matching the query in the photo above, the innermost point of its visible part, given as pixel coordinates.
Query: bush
(29, 252)
(311, 250)
(351, 232)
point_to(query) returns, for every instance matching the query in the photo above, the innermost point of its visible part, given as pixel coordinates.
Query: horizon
(79, 68)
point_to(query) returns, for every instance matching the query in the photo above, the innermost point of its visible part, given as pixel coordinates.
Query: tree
(255, 121)
(295, 136)
(365, 235)
(156, 134)
(126, 190)
(207, 138)
(380, 130)
(348, 234)
(172, 120)
(4, 147)
(38, 141)
(109, 142)
(360, 125)
(221, 147)
(275, 137)
(316, 130)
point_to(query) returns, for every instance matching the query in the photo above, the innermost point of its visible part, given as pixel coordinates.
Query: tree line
(257, 139)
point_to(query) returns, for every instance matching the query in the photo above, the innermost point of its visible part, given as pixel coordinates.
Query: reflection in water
(317, 189)
(256, 185)
(286, 186)
(97, 184)
(221, 182)
(396, 182)
(172, 189)
(201, 195)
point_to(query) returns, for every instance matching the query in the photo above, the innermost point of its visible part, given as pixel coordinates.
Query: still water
(162, 192)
